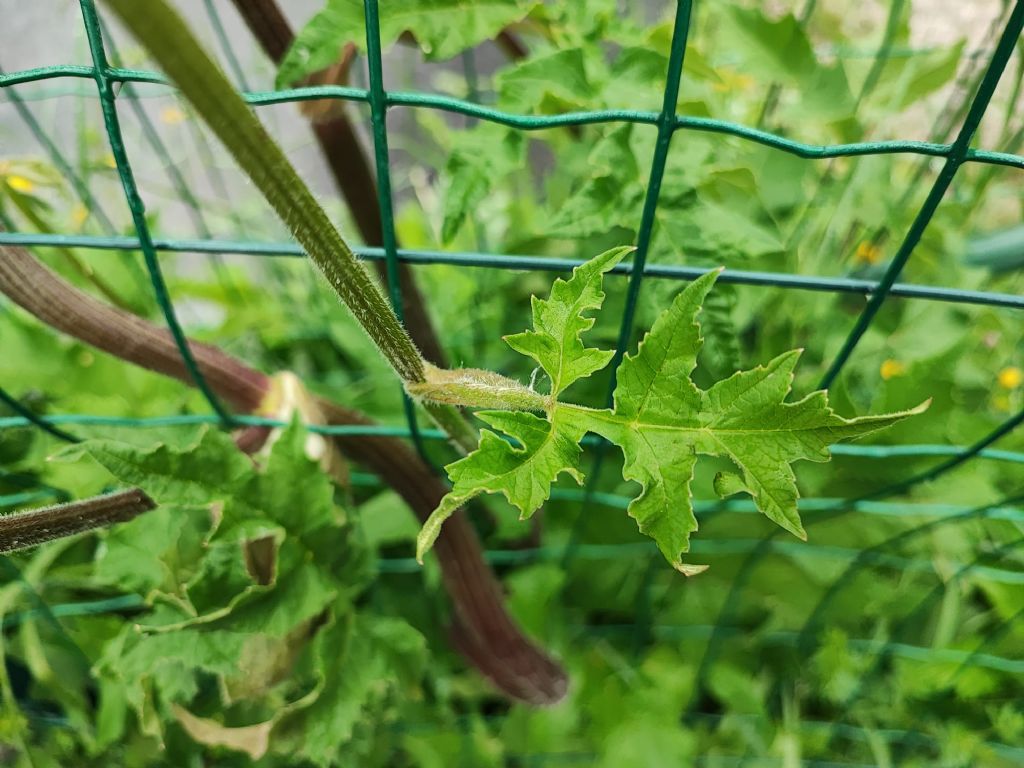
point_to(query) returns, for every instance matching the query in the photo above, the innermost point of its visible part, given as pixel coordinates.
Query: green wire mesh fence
(114, 83)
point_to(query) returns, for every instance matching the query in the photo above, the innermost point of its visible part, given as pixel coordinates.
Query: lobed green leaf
(661, 420)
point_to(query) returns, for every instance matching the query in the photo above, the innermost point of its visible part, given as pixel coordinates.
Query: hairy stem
(483, 632)
(350, 166)
(164, 34)
(475, 388)
(37, 526)
(167, 38)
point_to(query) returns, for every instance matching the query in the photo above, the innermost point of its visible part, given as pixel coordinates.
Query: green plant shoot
(661, 419)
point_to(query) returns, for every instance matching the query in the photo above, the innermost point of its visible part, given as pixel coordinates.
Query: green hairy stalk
(661, 420)
(168, 39)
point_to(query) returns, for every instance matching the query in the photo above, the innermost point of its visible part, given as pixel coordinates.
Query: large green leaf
(245, 603)
(661, 420)
(442, 28)
(780, 50)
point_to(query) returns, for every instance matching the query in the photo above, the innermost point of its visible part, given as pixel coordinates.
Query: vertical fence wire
(955, 157)
(381, 155)
(667, 125)
(174, 175)
(11, 402)
(112, 124)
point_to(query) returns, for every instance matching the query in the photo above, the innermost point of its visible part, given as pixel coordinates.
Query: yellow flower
(1011, 377)
(79, 213)
(109, 160)
(730, 80)
(868, 253)
(171, 115)
(891, 368)
(20, 183)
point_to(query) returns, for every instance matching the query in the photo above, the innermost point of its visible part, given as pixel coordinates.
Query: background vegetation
(891, 638)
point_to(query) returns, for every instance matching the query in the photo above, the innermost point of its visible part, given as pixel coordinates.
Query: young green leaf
(558, 322)
(523, 474)
(442, 28)
(661, 420)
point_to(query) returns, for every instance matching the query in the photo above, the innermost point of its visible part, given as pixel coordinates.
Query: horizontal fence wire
(194, 419)
(667, 123)
(544, 122)
(526, 263)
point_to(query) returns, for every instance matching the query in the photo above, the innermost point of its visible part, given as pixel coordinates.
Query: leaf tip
(688, 569)
(424, 542)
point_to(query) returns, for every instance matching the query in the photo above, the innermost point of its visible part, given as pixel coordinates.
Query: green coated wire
(881, 654)
(846, 730)
(378, 115)
(958, 152)
(746, 570)
(716, 548)
(954, 461)
(814, 620)
(860, 733)
(28, 481)
(840, 449)
(666, 125)
(30, 417)
(24, 499)
(545, 122)
(990, 639)
(84, 608)
(174, 175)
(156, 143)
(525, 262)
(112, 123)
(59, 160)
(790, 639)
(979, 449)
(53, 152)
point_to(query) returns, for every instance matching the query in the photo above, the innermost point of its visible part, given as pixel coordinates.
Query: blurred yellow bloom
(868, 253)
(20, 183)
(171, 116)
(891, 368)
(731, 80)
(79, 213)
(109, 160)
(1011, 377)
